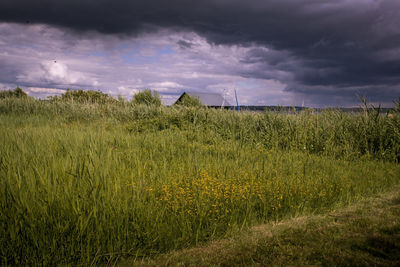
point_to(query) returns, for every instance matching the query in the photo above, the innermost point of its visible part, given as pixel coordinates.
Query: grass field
(87, 182)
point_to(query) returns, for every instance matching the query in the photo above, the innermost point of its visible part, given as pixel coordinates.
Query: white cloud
(45, 90)
(126, 91)
(165, 86)
(56, 73)
(41, 92)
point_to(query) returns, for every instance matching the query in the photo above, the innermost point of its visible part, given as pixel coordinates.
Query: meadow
(83, 183)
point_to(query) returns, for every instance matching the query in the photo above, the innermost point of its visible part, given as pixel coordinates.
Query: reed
(83, 183)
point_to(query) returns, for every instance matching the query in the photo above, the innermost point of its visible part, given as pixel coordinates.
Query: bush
(17, 92)
(82, 96)
(189, 101)
(148, 98)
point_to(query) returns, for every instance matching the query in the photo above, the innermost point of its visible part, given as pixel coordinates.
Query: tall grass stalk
(85, 183)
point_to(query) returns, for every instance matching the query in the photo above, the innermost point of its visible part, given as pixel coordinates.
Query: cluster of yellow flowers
(216, 196)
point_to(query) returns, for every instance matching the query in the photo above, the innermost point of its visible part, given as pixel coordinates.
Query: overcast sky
(274, 52)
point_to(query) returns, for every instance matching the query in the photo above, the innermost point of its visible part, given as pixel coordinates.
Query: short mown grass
(366, 233)
(88, 182)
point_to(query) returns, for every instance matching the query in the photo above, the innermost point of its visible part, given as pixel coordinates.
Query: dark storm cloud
(323, 44)
(184, 44)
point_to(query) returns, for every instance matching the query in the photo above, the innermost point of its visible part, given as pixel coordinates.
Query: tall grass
(84, 183)
(330, 133)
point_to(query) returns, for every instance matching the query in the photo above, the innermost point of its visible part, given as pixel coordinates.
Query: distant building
(208, 99)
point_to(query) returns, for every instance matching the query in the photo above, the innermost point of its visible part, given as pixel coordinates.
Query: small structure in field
(212, 100)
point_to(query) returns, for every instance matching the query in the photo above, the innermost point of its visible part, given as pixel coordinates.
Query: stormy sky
(274, 52)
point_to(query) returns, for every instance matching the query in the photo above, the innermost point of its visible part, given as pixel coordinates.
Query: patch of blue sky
(136, 57)
(165, 50)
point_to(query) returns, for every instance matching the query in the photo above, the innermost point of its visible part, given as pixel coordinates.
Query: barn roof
(208, 99)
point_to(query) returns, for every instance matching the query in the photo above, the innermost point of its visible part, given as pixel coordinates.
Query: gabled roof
(208, 99)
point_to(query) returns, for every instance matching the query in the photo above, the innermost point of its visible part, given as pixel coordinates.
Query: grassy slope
(366, 233)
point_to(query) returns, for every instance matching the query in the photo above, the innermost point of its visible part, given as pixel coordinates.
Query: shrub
(82, 96)
(189, 101)
(148, 98)
(17, 92)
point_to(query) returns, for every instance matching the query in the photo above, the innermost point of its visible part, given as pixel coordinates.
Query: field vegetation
(347, 236)
(84, 181)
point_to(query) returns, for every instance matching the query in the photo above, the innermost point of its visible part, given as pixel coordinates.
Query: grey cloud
(343, 44)
(94, 58)
(184, 44)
